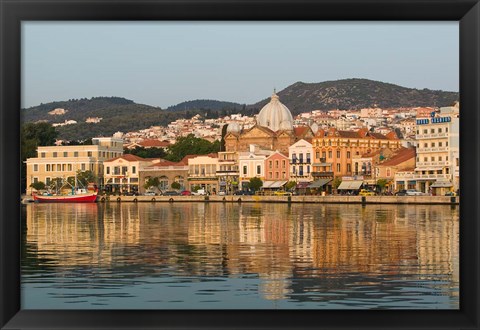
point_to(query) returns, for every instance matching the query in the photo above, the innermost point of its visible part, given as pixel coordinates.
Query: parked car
(186, 193)
(282, 193)
(366, 192)
(413, 192)
(199, 192)
(450, 193)
(402, 192)
(244, 192)
(171, 193)
(131, 193)
(150, 193)
(222, 193)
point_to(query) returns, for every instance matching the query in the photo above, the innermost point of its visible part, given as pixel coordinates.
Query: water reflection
(297, 256)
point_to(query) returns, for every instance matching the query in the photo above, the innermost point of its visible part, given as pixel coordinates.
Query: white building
(300, 156)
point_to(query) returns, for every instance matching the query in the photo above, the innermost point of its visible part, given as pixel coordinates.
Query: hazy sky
(165, 63)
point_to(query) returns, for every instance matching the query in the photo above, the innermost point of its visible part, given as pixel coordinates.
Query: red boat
(83, 197)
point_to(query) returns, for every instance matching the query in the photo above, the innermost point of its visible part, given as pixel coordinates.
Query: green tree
(190, 145)
(85, 177)
(33, 135)
(290, 184)
(255, 184)
(176, 185)
(39, 185)
(336, 182)
(381, 183)
(152, 182)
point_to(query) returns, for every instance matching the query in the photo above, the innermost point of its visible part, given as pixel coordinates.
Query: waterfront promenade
(332, 199)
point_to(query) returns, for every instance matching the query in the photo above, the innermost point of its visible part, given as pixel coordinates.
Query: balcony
(433, 163)
(322, 174)
(431, 136)
(431, 176)
(433, 149)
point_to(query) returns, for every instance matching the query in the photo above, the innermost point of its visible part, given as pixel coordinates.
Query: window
(42, 155)
(276, 164)
(432, 159)
(48, 181)
(284, 175)
(439, 130)
(65, 154)
(349, 167)
(293, 169)
(35, 180)
(35, 167)
(433, 144)
(47, 168)
(425, 159)
(440, 144)
(324, 154)
(338, 167)
(108, 169)
(457, 162)
(425, 131)
(59, 167)
(446, 129)
(259, 169)
(308, 157)
(425, 145)
(329, 154)
(338, 153)
(308, 169)
(75, 154)
(270, 175)
(446, 144)
(89, 153)
(64, 167)
(54, 154)
(317, 154)
(284, 164)
(348, 154)
(276, 175)
(134, 169)
(432, 130)
(83, 167)
(245, 170)
(270, 164)
(69, 167)
(300, 170)
(440, 158)
(418, 131)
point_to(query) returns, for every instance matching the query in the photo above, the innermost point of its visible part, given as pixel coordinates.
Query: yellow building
(334, 150)
(202, 172)
(64, 161)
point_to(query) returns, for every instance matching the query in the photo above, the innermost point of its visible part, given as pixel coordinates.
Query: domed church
(273, 130)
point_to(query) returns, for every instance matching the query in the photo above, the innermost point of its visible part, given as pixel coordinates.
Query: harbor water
(239, 256)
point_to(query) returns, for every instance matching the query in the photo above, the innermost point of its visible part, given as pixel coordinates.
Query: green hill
(350, 94)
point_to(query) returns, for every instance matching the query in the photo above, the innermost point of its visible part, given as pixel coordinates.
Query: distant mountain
(120, 114)
(207, 105)
(356, 94)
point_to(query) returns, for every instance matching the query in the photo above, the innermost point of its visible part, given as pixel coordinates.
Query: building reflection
(295, 250)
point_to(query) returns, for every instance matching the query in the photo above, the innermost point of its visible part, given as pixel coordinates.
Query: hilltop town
(316, 152)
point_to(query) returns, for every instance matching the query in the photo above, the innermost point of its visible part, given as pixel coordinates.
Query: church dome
(233, 127)
(275, 115)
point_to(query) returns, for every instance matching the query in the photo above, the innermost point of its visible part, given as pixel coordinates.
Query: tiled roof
(300, 131)
(154, 143)
(128, 157)
(401, 156)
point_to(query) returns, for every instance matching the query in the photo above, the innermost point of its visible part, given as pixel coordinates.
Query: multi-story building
(122, 173)
(438, 150)
(403, 160)
(227, 172)
(334, 149)
(202, 172)
(167, 173)
(64, 162)
(251, 164)
(300, 155)
(277, 167)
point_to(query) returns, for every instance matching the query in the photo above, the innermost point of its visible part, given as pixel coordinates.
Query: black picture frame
(13, 12)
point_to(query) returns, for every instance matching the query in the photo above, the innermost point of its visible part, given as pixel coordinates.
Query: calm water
(239, 256)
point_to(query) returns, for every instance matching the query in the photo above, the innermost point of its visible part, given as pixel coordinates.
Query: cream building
(202, 172)
(300, 155)
(251, 164)
(437, 162)
(122, 173)
(64, 161)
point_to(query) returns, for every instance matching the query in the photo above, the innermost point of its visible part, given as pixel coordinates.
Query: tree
(152, 182)
(381, 183)
(255, 184)
(290, 184)
(39, 185)
(336, 182)
(190, 145)
(85, 177)
(176, 185)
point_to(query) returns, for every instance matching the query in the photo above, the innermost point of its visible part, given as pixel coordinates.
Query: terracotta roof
(154, 143)
(392, 136)
(128, 157)
(300, 131)
(401, 156)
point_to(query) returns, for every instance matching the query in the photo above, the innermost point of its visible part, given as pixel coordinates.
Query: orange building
(334, 149)
(277, 167)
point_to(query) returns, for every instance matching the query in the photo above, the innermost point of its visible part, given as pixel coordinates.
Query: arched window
(163, 183)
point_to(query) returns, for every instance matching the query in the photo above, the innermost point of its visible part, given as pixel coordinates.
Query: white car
(413, 192)
(199, 192)
(221, 193)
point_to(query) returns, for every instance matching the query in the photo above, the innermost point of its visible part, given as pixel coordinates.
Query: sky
(165, 63)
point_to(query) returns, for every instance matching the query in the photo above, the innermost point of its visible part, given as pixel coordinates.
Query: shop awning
(319, 183)
(441, 184)
(273, 184)
(302, 185)
(350, 185)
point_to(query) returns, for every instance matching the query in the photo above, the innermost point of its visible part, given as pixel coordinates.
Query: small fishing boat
(73, 195)
(81, 196)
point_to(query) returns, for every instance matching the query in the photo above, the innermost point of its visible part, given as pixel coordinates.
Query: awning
(441, 184)
(302, 185)
(319, 183)
(273, 184)
(350, 185)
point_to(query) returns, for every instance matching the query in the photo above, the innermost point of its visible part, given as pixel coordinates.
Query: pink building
(277, 167)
